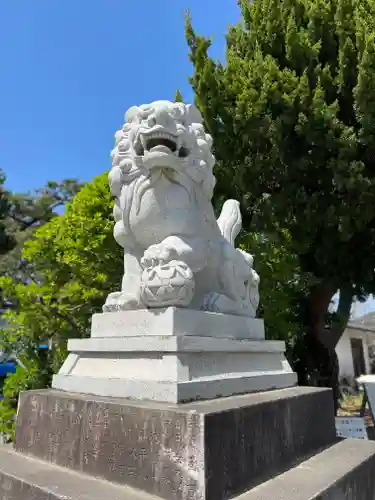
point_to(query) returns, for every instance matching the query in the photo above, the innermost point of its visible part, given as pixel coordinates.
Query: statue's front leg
(168, 271)
(193, 251)
(129, 296)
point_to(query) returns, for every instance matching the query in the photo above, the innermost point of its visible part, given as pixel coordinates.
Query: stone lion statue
(175, 251)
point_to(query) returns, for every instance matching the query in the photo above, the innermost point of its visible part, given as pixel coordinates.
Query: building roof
(366, 322)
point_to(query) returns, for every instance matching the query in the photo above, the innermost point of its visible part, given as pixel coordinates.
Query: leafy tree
(76, 263)
(25, 213)
(7, 242)
(282, 290)
(292, 115)
(28, 211)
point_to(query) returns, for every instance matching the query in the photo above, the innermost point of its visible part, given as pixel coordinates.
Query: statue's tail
(230, 220)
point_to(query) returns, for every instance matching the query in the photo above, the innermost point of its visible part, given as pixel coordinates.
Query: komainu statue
(175, 251)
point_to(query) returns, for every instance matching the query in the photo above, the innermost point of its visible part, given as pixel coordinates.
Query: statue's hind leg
(238, 293)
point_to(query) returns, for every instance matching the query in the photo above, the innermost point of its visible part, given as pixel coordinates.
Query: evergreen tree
(178, 96)
(292, 115)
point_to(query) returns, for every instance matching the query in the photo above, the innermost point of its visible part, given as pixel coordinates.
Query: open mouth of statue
(162, 142)
(160, 139)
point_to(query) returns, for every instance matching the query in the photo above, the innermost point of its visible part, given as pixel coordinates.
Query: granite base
(209, 450)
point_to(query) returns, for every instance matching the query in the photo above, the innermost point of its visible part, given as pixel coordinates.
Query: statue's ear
(193, 114)
(132, 114)
(115, 179)
(118, 136)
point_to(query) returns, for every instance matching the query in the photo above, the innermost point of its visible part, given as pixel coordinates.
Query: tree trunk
(343, 313)
(323, 361)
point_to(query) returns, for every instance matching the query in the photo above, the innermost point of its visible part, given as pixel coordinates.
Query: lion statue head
(162, 135)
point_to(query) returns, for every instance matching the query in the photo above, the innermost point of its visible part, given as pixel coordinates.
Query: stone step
(343, 471)
(26, 478)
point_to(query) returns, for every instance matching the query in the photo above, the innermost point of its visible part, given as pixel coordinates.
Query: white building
(355, 348)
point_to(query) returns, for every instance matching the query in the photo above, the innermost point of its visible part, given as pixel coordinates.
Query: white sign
(368, 381)
(351, 427)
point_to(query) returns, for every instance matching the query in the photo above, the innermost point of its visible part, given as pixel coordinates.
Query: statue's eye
(145, 113)
(151, 122)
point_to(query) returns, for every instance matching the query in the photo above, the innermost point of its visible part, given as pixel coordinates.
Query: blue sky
(71, 68)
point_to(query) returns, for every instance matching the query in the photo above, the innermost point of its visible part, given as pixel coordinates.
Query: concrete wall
(344, 352)
(345, 358)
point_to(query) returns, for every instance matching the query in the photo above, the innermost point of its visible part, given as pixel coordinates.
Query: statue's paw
(120, 301)
(157, 255)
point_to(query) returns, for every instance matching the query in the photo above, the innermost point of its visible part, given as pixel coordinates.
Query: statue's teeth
(164, 135)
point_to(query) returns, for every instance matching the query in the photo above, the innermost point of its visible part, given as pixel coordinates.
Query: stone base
(278, 445)
(173, 369)
(178, 364)
(207, 450)
(175, 321)
(174, 392)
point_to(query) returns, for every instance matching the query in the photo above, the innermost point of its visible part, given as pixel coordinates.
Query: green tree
(292, 115)
(282, 289)
(76, 263)
(26, 212)
(7, 242)
(178, 96)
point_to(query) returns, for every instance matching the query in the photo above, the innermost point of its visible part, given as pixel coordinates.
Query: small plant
(23, 379)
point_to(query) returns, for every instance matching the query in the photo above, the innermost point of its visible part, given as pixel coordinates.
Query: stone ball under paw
(170, 284)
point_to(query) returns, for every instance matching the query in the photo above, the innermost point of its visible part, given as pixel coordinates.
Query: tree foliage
(7, 242)
(25, 213)
(76, 263)
(178, 96)
(292, 115)
(281, 286)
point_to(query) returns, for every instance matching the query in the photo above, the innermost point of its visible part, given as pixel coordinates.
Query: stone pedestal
(273, 445)
(84, 440)
(259, 446)
(202, 450)
(174, 355)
